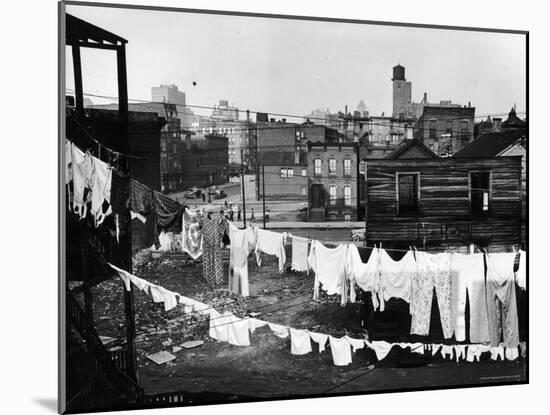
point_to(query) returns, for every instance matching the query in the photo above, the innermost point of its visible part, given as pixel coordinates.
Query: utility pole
(263, 190)
(242, 189)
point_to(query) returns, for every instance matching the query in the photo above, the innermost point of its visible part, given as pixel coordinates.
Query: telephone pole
(242, 189)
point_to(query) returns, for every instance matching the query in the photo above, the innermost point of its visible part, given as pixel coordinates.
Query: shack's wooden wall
(444, 218)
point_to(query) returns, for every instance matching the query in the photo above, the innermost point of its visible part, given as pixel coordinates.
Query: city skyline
(257, 64)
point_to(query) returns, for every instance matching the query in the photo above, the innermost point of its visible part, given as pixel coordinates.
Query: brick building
(332, 170)
(282, 151)
(445, 130)
(204, 161)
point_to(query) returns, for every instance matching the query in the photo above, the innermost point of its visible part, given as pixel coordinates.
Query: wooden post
(79, 93)
(243, 192)
(263, 190)
(129, 309)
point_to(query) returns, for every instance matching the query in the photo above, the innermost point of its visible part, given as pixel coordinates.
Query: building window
(464, 128)
(433, 132)
(449, 127)
(347, 195)
(407, 193)
(347, 217)
(304, 190)
(287, 172)
(347, 167)
(362, 167)
(304, 172)
(332, 195)
(480, 191)
(332, 167)
(317, 167)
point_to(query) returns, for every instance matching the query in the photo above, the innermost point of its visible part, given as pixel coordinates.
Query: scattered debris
(161, 357)
(254, 314)
(107, 340)
(167, 342)
(192, 344)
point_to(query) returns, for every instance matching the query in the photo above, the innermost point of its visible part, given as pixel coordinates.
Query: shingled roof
(490, 144)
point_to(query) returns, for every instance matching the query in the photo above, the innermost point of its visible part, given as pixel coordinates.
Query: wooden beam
(86, 44)
(79, 93)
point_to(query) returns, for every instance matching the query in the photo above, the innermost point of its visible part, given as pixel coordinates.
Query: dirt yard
(265, 368)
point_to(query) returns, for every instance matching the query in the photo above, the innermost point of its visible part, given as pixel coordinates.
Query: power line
(140, 101)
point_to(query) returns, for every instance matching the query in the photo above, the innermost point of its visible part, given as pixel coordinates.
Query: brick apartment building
(332, 170)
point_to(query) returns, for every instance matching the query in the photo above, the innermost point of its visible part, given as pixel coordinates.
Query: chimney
(469, 104)
(346, 111)
(247, 115)
(425, 99)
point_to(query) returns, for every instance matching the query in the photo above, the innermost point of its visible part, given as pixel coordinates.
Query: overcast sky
(293, 67)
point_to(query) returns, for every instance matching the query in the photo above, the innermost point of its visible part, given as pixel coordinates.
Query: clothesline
(237, 332)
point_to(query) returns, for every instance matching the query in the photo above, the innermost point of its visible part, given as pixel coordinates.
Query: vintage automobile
(358, 234)
(193, 193)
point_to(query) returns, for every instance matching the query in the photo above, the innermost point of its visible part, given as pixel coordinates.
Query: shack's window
(408, 193)
(480, 188)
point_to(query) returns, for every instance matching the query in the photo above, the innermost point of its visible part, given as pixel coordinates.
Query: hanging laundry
(511, 353)
(219, 325)
(395, 277)
(300, 342)
(278, 330)
(320, 339)
(237, 334)
(447, 351)
(341, 351)
(69, 172)
(468, 279)
(329, 265)
(157, 293)
(433, 272)
(254, 323)
(271, 243)
(460, 350)
(212, 266)
(381, 348)
(475, 351)
(367, 276)
(501, 300)
(201, 308)
(521, 274)
(141, 198)
(242, 243)
(355, 344)
(82, 179)
(170, 299)
(166, 240)
(168, 212)
(191, 234)
(141, 218)
(120, 193)
(187, 304)
(299, 254)
(100, 190)
(125, 276)
(435, 348)
(140, 283)
(497, 352)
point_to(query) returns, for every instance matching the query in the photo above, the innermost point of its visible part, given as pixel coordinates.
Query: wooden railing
(112, 364)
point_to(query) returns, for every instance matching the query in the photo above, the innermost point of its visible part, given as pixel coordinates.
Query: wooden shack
(415, 198)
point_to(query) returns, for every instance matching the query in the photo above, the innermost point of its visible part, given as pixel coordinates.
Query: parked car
(358, 234)
(219, 194)
(193, 193)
